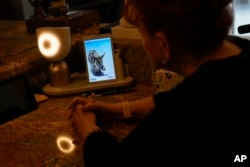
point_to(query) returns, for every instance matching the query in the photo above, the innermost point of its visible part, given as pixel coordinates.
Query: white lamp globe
(54, 43)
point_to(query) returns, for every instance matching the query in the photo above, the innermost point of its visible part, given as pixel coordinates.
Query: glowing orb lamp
(54, 43)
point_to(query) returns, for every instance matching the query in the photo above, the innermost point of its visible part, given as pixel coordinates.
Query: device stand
(79, 81)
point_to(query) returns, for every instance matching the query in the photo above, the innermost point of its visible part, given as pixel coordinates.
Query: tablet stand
(79, 82)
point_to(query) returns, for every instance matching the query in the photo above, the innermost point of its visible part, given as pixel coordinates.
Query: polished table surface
(18, 50)
(31, 140)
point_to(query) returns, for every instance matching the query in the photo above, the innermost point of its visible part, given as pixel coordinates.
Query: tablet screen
(99, 56)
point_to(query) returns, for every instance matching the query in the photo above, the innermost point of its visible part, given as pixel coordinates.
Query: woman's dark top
(204, 121)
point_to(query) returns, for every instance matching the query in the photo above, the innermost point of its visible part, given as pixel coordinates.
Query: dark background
(110, 10)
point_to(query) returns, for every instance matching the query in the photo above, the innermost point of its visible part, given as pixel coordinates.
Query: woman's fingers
(70, 113)
(91, 98)
(73, 104)
(79, 106)
(77, 139)
(77, 100)
(83, 102)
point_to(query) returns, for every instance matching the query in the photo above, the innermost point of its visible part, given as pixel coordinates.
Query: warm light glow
(48, 44)
(54, 43)
(65, 144)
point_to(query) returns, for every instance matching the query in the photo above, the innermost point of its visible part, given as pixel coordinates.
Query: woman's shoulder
(239, 41)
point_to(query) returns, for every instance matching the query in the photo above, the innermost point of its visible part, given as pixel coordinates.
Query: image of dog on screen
(96, 62)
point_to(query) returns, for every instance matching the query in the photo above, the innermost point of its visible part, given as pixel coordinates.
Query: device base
(79, 84)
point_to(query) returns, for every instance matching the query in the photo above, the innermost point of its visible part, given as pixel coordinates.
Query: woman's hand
(111, 111)
(80, 100)
(103, 111)
(84, 122)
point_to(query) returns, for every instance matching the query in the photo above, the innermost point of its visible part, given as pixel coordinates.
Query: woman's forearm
(140, 108)
(136, 109)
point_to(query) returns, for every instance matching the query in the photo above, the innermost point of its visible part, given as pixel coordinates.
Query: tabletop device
(104, 68)
(16, 98)
(99, 59)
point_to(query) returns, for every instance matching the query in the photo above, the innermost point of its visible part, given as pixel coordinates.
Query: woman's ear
(164, 45)
(161, 36)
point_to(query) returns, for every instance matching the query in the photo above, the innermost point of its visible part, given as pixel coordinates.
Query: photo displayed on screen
(100, 60)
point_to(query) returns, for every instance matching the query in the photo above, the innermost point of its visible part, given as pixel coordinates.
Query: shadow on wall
(110, 10)
(11, 10)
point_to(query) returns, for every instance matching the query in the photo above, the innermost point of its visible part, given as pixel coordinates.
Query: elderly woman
(202, 121)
